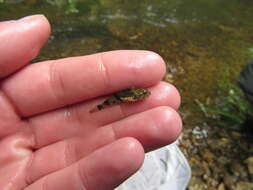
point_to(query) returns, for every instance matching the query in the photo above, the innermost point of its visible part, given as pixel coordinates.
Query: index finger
(53, 84)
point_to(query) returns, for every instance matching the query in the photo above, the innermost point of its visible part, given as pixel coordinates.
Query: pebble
(221, 186)
(217, 159)
(229, 180)
(249, 162)
(244, 186)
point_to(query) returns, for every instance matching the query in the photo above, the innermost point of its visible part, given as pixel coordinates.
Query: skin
(48, 137)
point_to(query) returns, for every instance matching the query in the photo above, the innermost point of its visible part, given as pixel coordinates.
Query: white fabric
(163, 169)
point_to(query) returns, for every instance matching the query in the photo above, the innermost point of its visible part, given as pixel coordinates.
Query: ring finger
(153, 128)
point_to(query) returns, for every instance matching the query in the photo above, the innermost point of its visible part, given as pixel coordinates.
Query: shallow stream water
(199, 40)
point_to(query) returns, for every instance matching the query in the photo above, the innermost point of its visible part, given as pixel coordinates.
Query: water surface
(199, 41)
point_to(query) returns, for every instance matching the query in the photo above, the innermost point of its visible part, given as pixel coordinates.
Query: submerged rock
(221, 186)
(246, 80)
(249, 162)
(244, 186)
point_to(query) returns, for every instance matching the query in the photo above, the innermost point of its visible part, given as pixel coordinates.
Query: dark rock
(246, 80)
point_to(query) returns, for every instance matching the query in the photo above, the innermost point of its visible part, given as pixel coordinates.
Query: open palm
(50, 140)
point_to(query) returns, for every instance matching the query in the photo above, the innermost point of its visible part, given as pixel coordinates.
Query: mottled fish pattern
(127, 95)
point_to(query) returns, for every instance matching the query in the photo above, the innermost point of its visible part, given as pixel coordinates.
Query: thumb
(21, 41)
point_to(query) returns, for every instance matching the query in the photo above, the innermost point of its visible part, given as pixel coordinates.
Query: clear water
(199, 39)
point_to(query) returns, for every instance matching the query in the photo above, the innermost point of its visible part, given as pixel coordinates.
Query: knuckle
(56, 81)
(103, 70)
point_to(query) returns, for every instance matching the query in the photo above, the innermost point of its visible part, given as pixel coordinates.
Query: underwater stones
(249, 162)
(243, 185)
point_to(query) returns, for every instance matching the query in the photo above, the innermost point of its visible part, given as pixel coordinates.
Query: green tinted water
(199, 40)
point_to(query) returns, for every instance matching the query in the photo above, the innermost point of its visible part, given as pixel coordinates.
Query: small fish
(128, 95)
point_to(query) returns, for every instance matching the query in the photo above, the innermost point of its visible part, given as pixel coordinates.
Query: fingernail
(30, 17)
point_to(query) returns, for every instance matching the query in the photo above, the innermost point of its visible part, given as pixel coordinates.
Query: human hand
(49, 139)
